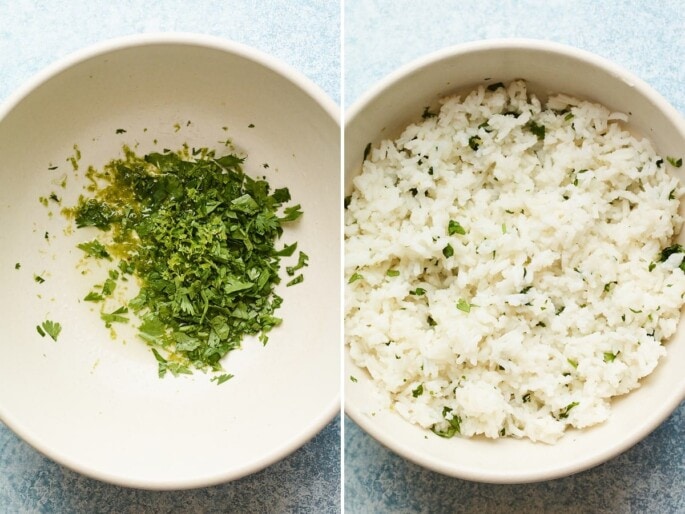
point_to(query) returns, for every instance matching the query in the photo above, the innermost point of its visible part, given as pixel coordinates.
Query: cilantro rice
(510, 265)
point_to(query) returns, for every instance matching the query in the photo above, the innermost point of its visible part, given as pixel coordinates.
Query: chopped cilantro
(17, 265)
(199, 235)
(95, 249)
(453, 424)
(563, 414)
(568, 117)
(116, 316)
(51, 328)
(354, 278)
(418, 391)
(667, 252)
(427, 113)
(353, 379)
(220, 379)
(297, 280)
(38, 279)
(120, 131)
(454, 227)
(676, 163)
(538, 130)
(573, 362)
(93, 297)
(431, 322)
(419, 291)
(463, 305)
(609, 356)
(448, 251)
(367, 151)
(392, 273)
(475, 142)
(301, 263)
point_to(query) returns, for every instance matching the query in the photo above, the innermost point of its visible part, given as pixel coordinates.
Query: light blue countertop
(647, 39)
(304, 34)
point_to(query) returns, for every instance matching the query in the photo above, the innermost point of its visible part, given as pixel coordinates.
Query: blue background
(305, 35)
(647, 39)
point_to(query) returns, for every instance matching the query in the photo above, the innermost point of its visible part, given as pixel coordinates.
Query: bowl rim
(667, 407)
(282, 69)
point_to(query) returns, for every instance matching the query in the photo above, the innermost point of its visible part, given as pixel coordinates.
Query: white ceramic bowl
(547, 67)
(95, 404)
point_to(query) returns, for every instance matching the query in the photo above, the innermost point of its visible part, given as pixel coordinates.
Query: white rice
(558, 268)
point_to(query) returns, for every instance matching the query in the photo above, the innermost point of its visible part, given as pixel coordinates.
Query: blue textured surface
(35, 34)
(647, 39)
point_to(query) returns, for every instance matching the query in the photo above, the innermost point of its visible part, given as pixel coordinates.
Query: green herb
(676, 163)
(568, 117)
(355, 277)
(526, 289)
(95, 249)
(607, 286)
(120, 131)
(463, 305)
(55, 198)
(301, 263)
(251, 125)
(504, 228)
(659, 163)
(117, 316)
(51, 328)
(431, 322)
(453, 425)
(220, 379)
(563, 414)
(418, 391)
(297, 280)
(667, 252)
(392, 273)
(475, 142)
(652, 265)
(448, 251)
(108, 287)
(495, 86)
(419, 291)
(609, 356)
(487, 128)
(353, 379)
(199, 235)
(17, 265)
(538, 130)
(367, 151)
(454, 227)
(573, 362)
(526, 398)
(427, 113)
(38, 279)
(174, 367)
(93, 297)
(671, 195)
(541, 324)
(287, 250)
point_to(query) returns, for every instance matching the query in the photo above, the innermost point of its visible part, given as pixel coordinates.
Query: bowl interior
(548, 68)
(95, 403)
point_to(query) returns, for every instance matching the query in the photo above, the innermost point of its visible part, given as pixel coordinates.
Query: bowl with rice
(513, 269)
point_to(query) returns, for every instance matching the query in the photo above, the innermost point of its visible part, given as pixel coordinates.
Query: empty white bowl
(93, 403)
(547, 67)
